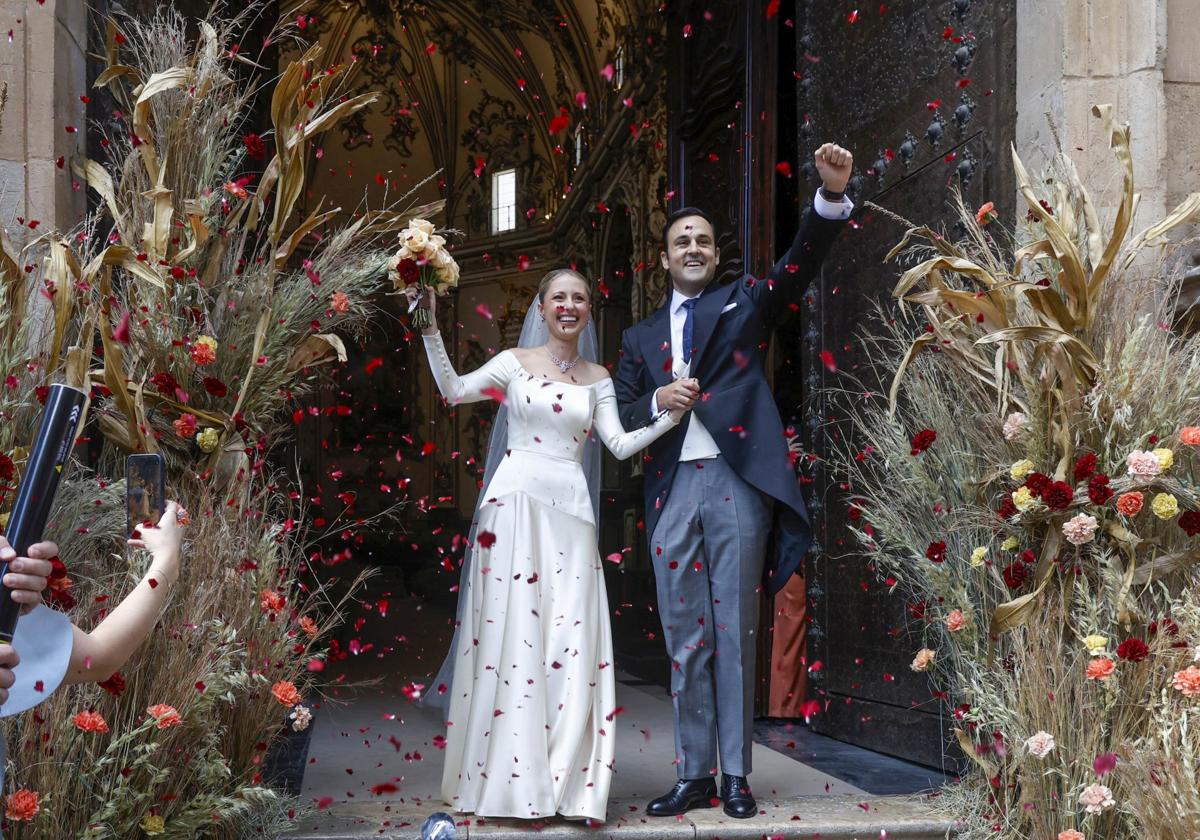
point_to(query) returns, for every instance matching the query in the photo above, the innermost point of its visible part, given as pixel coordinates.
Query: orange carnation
(1190, 435)
(340, 302)
(271, 601)
(1187, 681)
(185, 426)
(165, 715)
(22, 805)
(309, 627)
(986, 213)
(90, 722)
(285, 692)
(1130, 503)
(1100, 668)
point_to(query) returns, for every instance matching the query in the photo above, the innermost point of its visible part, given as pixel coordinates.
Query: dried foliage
(1036, 387)
(216, 306)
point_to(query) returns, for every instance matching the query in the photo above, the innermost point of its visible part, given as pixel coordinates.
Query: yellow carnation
(207, 439)
(1023, 498)
(1021, 469)
(977, 556)
(1166, 458)
(1165, 506)
(153, 824)
(1010, 543)
(1095, 644)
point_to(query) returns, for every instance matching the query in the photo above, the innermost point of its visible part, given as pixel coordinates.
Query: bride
(531, 721)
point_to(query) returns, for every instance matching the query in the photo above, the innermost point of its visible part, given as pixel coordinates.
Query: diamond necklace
(562, 366)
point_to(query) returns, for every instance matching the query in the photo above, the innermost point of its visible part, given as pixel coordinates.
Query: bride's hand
(429, 301)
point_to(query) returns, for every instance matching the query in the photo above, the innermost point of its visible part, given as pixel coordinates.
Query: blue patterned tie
(689, 323)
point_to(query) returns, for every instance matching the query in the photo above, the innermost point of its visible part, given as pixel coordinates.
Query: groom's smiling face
(692, 254)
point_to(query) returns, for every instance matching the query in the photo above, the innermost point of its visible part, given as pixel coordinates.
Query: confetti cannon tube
(39, 483)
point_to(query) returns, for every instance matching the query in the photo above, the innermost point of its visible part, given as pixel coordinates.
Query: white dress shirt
(698, 443)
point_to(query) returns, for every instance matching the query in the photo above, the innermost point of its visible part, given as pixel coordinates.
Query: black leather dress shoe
(686, 795)
(739, 802)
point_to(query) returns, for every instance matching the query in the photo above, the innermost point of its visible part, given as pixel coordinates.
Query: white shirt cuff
(654, 404)
(832, 210)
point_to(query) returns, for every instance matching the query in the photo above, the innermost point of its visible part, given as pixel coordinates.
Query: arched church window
(504, 200)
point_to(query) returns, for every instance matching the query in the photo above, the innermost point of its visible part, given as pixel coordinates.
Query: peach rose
(1100, 668)
(22, 805)
(285, 692)
(166, 715)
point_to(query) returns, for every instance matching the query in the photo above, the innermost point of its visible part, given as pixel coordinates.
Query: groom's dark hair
(683, 213)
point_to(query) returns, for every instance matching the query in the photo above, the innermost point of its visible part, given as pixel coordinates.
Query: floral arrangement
(424, 262)
(1030, 483)
(199, 308)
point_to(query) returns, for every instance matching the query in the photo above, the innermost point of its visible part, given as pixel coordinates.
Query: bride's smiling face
(566, 305)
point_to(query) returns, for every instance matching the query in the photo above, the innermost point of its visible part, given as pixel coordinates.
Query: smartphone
(145, 490)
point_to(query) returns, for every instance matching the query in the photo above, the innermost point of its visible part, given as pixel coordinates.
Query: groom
(715, 484)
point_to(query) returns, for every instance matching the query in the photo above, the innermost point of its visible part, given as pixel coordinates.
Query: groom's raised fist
(834, 165)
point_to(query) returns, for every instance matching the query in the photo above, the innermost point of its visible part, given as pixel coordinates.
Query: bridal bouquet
(424, 262)
(1031, 486)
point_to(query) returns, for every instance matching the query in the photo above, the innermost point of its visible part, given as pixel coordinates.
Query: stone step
(823, 817)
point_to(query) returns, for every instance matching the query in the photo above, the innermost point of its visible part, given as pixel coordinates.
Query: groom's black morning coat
(732, 330)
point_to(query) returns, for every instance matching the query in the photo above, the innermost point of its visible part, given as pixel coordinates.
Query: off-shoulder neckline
(533, 375)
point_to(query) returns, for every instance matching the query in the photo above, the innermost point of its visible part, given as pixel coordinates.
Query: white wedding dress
(531, 723)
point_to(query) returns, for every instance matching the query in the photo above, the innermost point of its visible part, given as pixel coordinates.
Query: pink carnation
(1187, 681)
(1014, 424)
(1080, 529)
(955, 621)
(1096, 799)
(1143, 464)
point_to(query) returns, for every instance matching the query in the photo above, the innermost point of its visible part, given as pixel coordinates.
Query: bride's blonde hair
(554, 273)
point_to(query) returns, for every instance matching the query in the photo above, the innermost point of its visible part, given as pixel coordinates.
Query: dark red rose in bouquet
(409, 271)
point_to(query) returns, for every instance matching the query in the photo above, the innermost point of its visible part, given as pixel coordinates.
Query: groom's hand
(834, 165)
(680, 395)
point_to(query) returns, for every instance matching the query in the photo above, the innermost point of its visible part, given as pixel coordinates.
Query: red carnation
(7, 469)
(114, 685)
(1058, 496)
(1008, 508)
(1133, 650)
(1189, 521)
(409, 271)
(922, 440)
(1037, 483)
(255, 147)
(215, 386)
(936, 551)
(1098, 490)
(165, 383)
(1015, 574)
(1085, 466)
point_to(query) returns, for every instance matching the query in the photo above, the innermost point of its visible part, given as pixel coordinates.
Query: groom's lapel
(656, 343)
(708, 312)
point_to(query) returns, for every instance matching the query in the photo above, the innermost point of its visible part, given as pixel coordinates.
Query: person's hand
(163, 540)
(426, 301)
(28, 576)
(678, 397)
(8, 660)
(833, 165)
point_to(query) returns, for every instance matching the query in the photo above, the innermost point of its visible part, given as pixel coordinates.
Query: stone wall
(1143, 56)
(43, 65)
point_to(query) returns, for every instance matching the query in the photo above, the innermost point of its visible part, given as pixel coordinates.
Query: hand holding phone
(145, 490)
